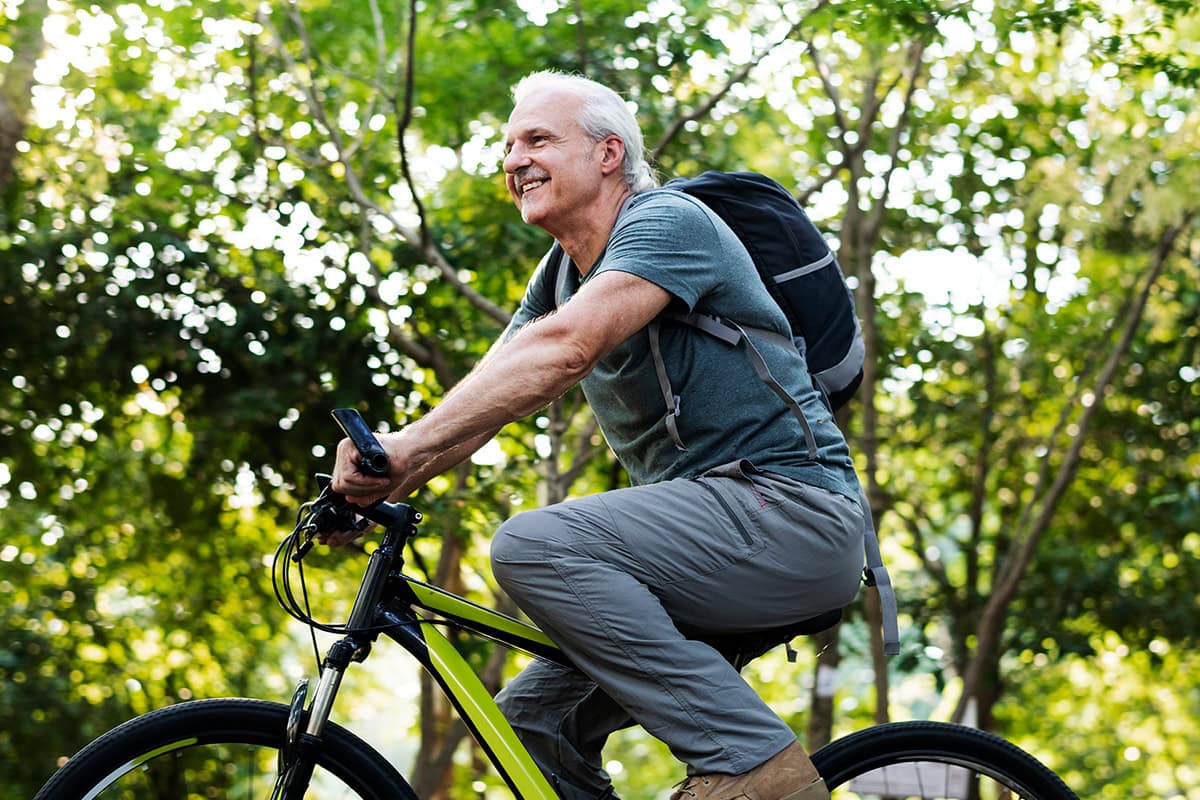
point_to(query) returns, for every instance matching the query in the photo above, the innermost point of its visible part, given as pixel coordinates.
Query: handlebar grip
(373, 459)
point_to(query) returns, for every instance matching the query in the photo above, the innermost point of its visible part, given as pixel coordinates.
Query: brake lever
(329, 513)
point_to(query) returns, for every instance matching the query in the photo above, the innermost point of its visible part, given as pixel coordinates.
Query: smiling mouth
(529, 186)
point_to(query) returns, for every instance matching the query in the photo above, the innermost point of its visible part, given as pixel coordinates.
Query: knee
(519, 544)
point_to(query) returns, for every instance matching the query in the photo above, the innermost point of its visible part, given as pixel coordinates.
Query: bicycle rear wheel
(934, 761)
(217, 748)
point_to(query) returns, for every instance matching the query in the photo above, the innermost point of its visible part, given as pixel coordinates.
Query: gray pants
(611, 578)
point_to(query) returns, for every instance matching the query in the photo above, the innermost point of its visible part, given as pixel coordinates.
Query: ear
(612, 153)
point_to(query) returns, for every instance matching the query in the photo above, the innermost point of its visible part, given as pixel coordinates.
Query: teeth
(531, 186)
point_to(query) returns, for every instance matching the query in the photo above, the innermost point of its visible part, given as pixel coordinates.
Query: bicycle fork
(298, 755)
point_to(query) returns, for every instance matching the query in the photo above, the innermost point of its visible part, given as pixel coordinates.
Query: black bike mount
(295, 724)
(296, 759)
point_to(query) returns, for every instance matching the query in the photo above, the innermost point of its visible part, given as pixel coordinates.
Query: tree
(224, 220)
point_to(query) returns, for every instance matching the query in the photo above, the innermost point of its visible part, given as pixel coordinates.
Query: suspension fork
(301, 746)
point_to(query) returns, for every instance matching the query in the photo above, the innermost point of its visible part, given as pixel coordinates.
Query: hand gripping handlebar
(372, 458)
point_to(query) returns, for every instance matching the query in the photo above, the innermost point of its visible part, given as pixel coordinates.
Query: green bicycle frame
(458, 680)
(396, 618)
(410, 612)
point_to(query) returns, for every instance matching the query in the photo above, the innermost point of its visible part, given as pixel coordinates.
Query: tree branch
(584, 451)
(381, 61)
(874, 221)
(827, 83)
(708, 105)
(426, 245)
(983, 465)
(992, 621)
(16, 88)
(807, 194)
(913, 523)
(404, 119)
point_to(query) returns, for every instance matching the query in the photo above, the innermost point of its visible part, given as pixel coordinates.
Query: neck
(587, 235)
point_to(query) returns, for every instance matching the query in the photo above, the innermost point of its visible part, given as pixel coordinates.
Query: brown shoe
(790, 775)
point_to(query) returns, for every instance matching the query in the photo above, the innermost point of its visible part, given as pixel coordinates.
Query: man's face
(551, 165)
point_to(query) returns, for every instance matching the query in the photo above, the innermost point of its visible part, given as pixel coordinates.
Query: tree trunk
(859, 239)
(865, 300)
(17, 84)
(820, 716)
(1043, 504)
(440, 732)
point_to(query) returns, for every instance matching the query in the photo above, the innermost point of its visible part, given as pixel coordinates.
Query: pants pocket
(733, 516)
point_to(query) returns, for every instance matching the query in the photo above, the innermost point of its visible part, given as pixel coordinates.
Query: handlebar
(330, 512)
(372, 458)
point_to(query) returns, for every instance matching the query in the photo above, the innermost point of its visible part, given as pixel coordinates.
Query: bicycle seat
(742, 648)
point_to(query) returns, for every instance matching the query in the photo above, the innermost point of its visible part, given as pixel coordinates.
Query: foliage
(225, 219)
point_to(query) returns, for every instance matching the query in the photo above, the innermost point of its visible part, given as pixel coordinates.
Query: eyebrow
(536, 130)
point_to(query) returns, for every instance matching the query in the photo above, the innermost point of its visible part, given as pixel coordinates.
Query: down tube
(483, 716)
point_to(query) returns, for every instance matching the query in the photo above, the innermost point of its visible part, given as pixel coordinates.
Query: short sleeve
(538, 300)
(670, 240)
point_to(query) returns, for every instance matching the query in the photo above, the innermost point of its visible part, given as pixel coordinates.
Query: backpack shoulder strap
(562, 272)
(664, 384)
(876, 575)
(733, 334)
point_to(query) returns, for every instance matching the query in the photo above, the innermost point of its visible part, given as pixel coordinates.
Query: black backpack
(796, 266)
(798, 269)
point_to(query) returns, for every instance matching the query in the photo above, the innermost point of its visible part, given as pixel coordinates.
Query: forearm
(415, 478)
(543, 360)
(526, 373)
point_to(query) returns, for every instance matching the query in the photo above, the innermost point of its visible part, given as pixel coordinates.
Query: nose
(515, 158)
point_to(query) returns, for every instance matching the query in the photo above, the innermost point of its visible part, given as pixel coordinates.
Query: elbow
(575, 360)
(572, 355)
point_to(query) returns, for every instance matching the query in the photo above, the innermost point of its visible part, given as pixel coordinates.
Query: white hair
(602, 113)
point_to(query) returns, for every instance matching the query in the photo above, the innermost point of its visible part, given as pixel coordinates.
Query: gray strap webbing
(800, 272)
(560, 280)
(764, 372)
(710, 325)
(728, 331)
(841, 373)
(664, 384)
(734, 334)
(876, 575)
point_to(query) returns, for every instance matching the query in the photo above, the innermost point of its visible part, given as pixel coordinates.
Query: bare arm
(537, 365)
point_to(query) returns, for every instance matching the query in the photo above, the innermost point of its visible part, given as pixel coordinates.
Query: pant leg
(563, 718)
(608, 575)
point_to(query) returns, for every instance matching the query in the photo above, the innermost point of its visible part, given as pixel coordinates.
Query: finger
(355, 484)
(338, 538)
(349, 457)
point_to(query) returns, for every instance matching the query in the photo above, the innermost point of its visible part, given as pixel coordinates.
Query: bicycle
(243, 747)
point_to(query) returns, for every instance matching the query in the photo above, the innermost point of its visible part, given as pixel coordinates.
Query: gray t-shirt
(726, 411)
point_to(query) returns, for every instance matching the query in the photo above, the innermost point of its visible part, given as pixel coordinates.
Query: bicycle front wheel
(934, 761)
(217, 748)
